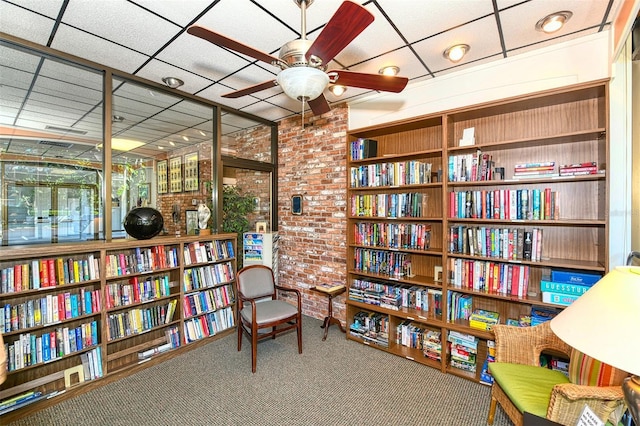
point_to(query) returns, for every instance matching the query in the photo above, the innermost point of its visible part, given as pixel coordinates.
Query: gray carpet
(336, 382)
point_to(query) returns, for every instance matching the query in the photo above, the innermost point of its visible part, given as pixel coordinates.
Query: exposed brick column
(312, 246)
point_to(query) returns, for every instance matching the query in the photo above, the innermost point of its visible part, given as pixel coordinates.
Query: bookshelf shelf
(131, 281)
(563, 126)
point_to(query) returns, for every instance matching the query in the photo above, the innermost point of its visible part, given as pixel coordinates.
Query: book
(329, 287)
(559, 299)
(574, 277)
(563, 288)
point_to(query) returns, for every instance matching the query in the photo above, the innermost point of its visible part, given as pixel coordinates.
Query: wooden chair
(261, 314)
(544, 392)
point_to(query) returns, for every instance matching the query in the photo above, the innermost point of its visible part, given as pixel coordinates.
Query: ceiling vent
(56, 144)
(66, 130)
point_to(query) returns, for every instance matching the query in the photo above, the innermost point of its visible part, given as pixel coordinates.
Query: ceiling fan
(303, 62)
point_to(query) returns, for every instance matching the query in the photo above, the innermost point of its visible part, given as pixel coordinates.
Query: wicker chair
(518, 349)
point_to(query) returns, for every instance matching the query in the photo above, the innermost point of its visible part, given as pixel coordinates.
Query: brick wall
(312, 245)
(183, 200)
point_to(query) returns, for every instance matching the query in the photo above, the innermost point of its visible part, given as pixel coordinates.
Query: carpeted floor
(336, 382)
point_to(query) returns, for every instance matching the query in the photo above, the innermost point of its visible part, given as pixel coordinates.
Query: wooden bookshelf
(135, 303)
(565, 126)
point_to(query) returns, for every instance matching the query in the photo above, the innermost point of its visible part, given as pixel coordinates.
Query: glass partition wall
(165, 150)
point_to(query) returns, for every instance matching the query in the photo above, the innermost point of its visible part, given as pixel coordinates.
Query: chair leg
(492, 411)
(299, 329)
(254, 350)
(239, 337)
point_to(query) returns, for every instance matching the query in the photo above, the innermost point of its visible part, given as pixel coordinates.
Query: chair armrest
(292, 290)
(523, 345)
(568, 400)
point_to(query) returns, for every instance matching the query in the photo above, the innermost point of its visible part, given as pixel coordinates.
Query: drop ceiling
(148, 39)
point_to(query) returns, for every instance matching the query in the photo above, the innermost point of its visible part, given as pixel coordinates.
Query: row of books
(371, 327)
(208, 251)
(389, 263)
(411, 334)
(471, 167)
(413, 236)
(48, 273)
(411, 204)
(505, 204)
(209, 300)
(136, 321)
(397, 296)
(463, 349)
(92, 364)
(31, 349)
(411, 172)
(141, 260)
(49, 309)
(489, 277)
(460, 306)
(207, 276)
(563, 287)
(363, 148)
(497, 243)
(137, 290)
(197, 328)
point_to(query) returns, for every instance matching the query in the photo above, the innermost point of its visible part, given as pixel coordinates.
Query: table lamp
(604, 323)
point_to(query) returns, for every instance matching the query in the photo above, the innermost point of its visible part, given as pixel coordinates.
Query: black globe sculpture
(143, 223)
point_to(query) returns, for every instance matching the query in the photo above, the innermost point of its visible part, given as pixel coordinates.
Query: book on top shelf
(330, 287)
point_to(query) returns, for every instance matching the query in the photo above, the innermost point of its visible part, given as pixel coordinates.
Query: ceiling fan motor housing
(292, 53)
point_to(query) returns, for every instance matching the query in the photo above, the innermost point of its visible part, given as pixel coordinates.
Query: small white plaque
(589, 418)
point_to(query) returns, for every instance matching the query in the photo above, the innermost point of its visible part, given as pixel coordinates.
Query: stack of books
(563, 287)
(588, 168)
(432, 345)
(483, 320)
(463, 349)
(535, 170)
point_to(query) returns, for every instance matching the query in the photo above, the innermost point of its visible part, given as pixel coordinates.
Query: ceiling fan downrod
(303, 4)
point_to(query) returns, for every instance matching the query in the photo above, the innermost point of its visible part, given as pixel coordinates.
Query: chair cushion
(528, 387)
(584, 370)
(269, 311)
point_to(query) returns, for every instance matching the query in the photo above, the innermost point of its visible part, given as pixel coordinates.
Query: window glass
(50, 168)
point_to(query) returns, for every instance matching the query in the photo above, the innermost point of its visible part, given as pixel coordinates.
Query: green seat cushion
(528, 387)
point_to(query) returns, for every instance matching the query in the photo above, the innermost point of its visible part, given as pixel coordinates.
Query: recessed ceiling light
(117, 118)
(337, 89)
(172, 82)
(172, 143)
(184, 138)
(456, 52)
(202, 133)
(390, 70)
(553, 22)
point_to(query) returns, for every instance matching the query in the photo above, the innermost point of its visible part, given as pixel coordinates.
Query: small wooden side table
(329, 319)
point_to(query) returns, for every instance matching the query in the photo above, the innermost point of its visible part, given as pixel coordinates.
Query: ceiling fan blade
(319, 105)
(220, 40)
(349, 20)
(385, 83)
(251, 89)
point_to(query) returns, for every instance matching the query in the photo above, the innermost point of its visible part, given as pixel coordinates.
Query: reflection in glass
(50, 168)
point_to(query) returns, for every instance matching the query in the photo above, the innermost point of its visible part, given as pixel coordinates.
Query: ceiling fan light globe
(303, 83)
